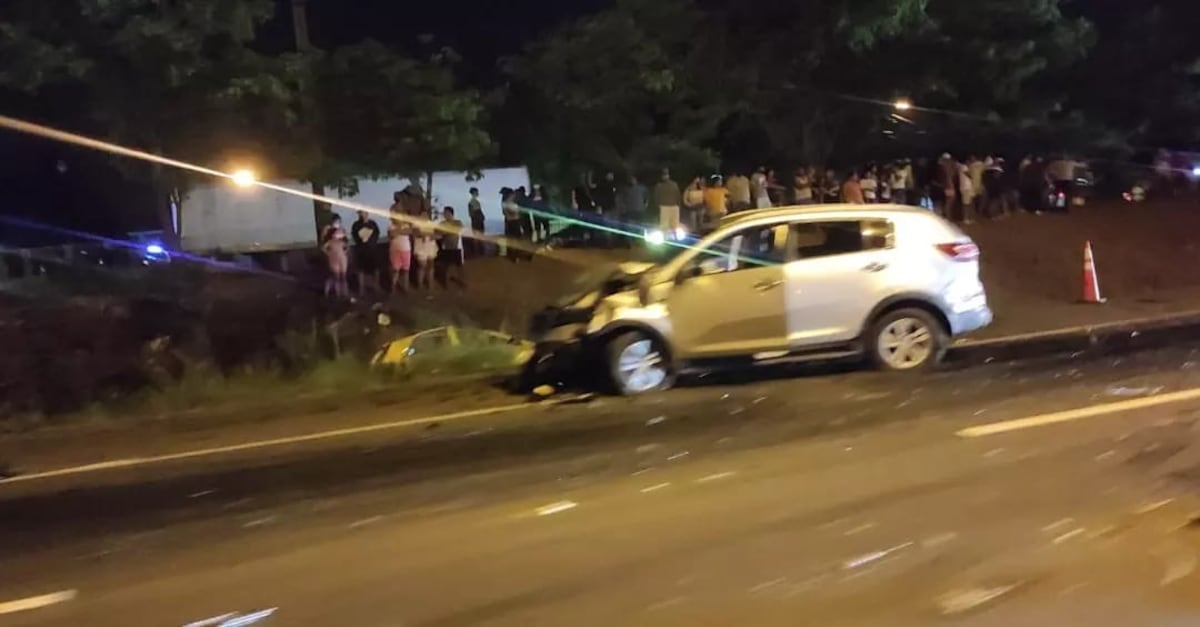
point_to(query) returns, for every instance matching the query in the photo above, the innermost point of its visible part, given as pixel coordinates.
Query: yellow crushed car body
(399, 351)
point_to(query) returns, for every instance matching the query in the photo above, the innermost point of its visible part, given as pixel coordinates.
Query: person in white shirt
(966, 191)
(870, 186)
(761, 188)
(425, 249)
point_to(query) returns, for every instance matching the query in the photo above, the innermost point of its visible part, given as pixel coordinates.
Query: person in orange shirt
(716, 200)
(852, 190)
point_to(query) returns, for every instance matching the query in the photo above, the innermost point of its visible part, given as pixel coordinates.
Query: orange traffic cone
(1091, 285)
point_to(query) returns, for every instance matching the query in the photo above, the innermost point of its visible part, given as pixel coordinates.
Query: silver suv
(825, 282)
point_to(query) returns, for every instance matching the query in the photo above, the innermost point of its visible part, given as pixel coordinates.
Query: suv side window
(755, 247)
(840, 237)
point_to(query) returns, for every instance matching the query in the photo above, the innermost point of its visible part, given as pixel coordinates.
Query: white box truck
(220, 217)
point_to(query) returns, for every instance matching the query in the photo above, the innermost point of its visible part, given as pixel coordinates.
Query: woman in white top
(870, 186)
(762, 192)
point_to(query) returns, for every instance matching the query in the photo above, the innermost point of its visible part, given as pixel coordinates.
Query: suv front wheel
(638, 363)
(906, 340)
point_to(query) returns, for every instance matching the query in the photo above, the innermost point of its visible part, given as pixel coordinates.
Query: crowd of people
(422, 252)
(960, 190)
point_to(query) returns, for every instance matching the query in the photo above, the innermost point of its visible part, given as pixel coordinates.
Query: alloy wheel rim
(906, 343)
(641, 367)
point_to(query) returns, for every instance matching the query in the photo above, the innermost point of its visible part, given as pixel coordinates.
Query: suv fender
(919, 300)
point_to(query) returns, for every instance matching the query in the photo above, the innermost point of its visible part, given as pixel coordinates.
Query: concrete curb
(1122, 335)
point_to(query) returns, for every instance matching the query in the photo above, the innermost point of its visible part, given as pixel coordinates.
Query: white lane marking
(38, 602)
(1078, 414)
(556, 508)
(260, 444)
(656, 487)
(715, 477)
(1057, 525)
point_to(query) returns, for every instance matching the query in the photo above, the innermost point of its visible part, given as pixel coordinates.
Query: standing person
(901, 182)
(450, 251)
(334, 244)
(541, 217)
(365, 234)
(802, 186)
(775, 191)
(693, 203)
(975, 169)
(425, 249)
(716, 202)
(945, 187)
(738, 187)
(966, 192)
(852, 192)
(604, 194)
(831, 188)
(400, 253)
(869, 184)
(478, 224)
(995, 195)
(1061, 175)
(760, 186)
(1033, 185)
(885, 185)
(512, 224)
(668, 199)
(523, 199)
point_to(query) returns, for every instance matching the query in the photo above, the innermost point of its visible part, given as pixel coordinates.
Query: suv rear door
(840, 269)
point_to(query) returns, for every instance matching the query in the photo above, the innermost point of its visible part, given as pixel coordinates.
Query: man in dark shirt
(365, 235)
(478, 224)
(450, 253)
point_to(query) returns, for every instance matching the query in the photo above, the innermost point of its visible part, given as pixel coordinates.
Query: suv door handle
(874, 266)
(764, 286)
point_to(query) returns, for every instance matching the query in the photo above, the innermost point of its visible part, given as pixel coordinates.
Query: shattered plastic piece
(543, 391)
(1128, 391)
(959, 601)
(875, 556)
(655, 420)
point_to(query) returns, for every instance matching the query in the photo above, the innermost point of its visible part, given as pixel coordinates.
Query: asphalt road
(827, 499)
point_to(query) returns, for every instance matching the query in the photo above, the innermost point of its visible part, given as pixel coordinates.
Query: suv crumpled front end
(565, 354)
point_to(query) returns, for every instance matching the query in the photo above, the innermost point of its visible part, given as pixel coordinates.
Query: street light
(902, 104)
(243, 178)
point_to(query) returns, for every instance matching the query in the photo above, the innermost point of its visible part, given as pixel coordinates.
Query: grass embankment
(350, 382)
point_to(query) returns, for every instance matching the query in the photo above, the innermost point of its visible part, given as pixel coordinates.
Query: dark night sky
(483, 31)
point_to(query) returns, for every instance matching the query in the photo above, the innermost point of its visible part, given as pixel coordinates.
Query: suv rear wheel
(638, 363)
(907, 339)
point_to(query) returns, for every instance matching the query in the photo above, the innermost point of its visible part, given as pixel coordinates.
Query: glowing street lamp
(243, 178)
(902, 104)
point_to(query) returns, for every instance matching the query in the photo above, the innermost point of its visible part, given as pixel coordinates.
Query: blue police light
(155, 249)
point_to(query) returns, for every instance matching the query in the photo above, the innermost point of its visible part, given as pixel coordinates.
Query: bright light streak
(1196, 171)
(903, 104)
(243, 178)
(155, 249)
(655, 237)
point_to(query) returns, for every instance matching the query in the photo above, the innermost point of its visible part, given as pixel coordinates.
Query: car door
(839, 271)
(729, 299)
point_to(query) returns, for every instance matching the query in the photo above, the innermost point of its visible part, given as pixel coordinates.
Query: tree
(1143, 77)
(167, 77)
(384, 113)
(622, 90)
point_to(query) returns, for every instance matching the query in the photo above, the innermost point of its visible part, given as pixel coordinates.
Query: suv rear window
(825, 239)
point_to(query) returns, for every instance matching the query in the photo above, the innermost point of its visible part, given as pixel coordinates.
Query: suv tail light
(960, 251)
